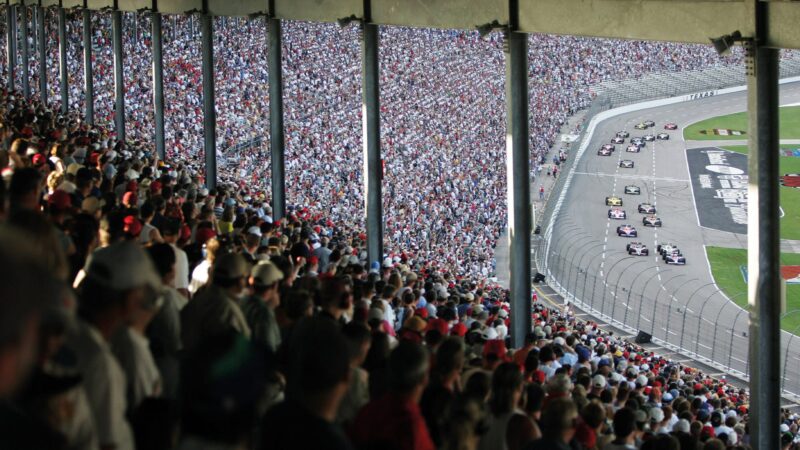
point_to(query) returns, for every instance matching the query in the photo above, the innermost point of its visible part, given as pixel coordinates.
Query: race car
(663, 249)
(617, 140)
(626, 163)
(633, 190)
(651, 220)
(623, 134)
(675, 258)
(646, 208)
(613, 201)
(627, 231)
(670, 126)
(637, 248)
(633, 148)
(611, 147)
(617, 213)
(649, 138)
(638, 141)
(649, 123)
(604, 152)
(663, 136)
(640, 126)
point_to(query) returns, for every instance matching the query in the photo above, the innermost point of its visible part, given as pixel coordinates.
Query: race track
(678, 304)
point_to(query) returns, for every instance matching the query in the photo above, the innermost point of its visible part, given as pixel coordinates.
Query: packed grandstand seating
(158, 314)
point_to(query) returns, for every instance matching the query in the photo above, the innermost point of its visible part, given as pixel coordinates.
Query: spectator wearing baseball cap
(259, 307)
(119, 279)
(215, 310)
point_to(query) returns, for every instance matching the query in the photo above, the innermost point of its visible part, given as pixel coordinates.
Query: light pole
(716, 321)
(686, 308)
(730, 349)
(616, 286)
(580, 263)
(603, 307)
(594, 285)
(700, 318)
(664, 289)
(628, 300)
(788, 344)
(641, 294)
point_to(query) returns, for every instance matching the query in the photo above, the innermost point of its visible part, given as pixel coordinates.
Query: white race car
(626, 164)
(649, 138)
(623, 134)
(651, 220)
(604, 152)
(646, 208)
(663, 136)
(617, 213)
(633, 148)
(633, 190)
(617, 140)
(637, 248)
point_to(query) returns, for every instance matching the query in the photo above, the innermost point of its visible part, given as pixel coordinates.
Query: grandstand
(326, 287)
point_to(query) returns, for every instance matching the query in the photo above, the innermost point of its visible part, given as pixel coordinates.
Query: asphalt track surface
(678, 304)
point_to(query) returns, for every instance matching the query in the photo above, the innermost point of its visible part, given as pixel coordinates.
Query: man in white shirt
(119, 278)
(171, 231)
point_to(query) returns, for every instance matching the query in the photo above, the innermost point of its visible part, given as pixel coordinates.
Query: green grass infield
(705, 129)
(726, 267)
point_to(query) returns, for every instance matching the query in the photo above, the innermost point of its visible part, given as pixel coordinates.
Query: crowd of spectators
(442, 104)
(140, 310)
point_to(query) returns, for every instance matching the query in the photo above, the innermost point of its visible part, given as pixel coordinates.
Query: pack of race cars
(669, 252)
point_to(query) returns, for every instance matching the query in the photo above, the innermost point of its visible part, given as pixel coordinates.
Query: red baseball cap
(132, 226)
(38, 159)
(60, 200)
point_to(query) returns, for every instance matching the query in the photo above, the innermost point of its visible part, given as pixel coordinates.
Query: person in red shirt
(394, 421)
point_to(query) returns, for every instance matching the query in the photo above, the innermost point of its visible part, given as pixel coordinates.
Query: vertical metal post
(119, 82)
(42, 49)
(763, 234)
(11, 43)
(518, 172)
(209, 114)
(87, 64)
(62, 59)
(158, 83)
(371, 136)
(276, 136)
(26, 75)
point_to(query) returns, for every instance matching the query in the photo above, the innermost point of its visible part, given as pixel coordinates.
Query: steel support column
(26, 69)
(87, 65)
(62, 59)
(11, 43)
(209, 113)
(370, 116)
(42, 51)
(119, 81)
(158, 83)
(763, 234)
(276, 136)
(519, 182)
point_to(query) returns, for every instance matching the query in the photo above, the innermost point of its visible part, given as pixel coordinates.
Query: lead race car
(627, 231)
(646, 208)
(613, 201)
(670, 126)
(637, 249)
(626, 164)
(617, 213)
(640, 126)
(633, 190)
(651, 220)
